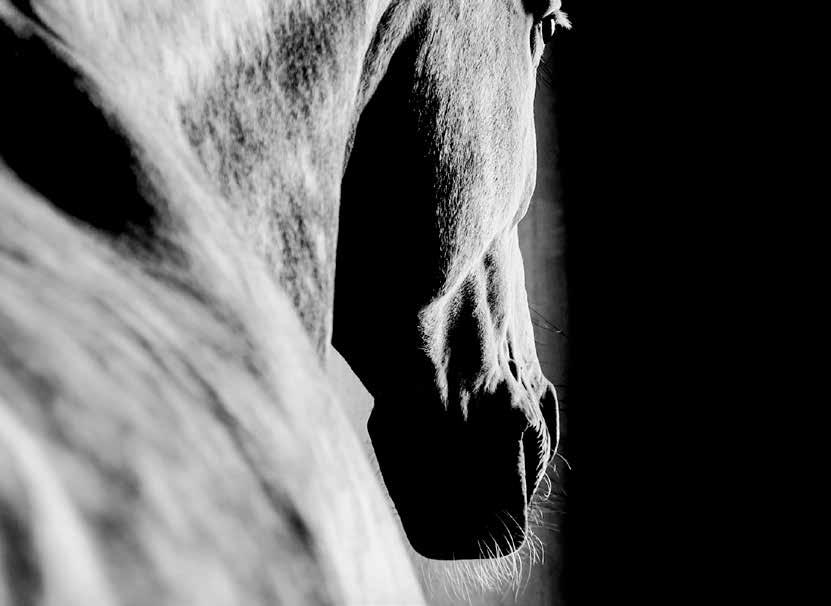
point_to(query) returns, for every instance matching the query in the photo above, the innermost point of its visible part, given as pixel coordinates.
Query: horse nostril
(541, 443)
(532, 446)
(551, 414)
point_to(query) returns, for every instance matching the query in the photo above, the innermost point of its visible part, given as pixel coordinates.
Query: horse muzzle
(461, 484)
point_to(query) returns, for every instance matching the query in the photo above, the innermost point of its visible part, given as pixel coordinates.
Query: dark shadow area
(640, 345)
(605, 382)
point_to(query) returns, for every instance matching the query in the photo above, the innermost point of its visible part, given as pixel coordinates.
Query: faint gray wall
(542, 241)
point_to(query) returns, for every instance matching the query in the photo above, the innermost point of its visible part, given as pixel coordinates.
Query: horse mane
(124, 368)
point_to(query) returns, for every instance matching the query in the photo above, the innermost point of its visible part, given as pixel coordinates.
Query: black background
(646, 213)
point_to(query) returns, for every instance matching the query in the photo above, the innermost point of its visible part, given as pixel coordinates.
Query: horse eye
(548, 25)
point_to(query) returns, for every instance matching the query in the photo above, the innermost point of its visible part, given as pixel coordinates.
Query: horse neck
(273, 126)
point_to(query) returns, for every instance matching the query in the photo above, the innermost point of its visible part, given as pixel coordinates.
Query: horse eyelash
(561, 19)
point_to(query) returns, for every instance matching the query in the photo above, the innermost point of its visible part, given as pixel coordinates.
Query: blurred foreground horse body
(171, 182)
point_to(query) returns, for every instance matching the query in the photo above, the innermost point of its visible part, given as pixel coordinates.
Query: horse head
(430, 305)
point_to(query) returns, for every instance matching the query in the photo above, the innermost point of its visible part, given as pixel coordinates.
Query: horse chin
(461, 484)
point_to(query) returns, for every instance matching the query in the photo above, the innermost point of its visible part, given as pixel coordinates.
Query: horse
(187, 189)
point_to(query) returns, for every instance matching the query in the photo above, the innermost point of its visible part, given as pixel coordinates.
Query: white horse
(170, 189)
